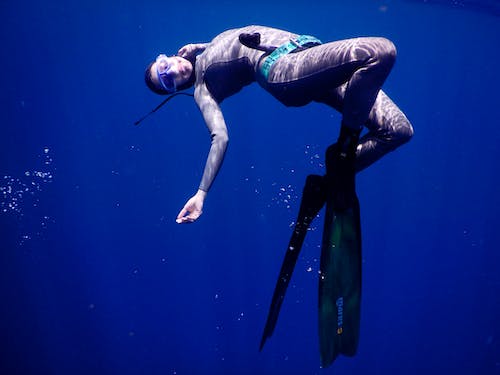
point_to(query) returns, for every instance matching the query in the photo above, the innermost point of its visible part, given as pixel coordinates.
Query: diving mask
(166, 72)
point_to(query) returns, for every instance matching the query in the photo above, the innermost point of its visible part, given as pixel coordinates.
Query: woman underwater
(346, 75)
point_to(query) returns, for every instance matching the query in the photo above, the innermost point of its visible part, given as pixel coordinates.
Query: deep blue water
(96, 276)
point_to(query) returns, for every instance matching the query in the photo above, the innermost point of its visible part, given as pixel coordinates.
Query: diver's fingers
(183, 51)
(187, 216)
(183, 220)
(186, 219)
(182, 214)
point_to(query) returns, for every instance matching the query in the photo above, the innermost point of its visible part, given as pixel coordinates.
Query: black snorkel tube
(161, 105)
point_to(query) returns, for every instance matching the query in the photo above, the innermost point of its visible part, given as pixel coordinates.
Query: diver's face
(170, 72)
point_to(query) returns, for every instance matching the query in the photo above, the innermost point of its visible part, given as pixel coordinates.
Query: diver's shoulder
(259, 29)
(248, 29)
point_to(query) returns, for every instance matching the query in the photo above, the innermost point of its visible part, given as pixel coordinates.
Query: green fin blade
(340, 266)
(340, 282)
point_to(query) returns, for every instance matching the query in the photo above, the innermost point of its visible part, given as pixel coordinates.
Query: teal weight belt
(285, 49)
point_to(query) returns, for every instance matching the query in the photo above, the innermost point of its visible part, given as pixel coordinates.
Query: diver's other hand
(188, 50)
(192, 209)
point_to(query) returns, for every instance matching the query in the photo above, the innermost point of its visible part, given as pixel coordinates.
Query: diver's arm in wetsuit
(218, 132)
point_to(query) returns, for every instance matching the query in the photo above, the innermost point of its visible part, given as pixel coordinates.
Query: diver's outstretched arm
(218, 132)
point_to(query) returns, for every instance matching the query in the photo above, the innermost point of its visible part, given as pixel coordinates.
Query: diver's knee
(396, 135)
(386, 52)
(404, 133)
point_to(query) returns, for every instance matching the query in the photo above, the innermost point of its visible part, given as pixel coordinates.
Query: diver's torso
(226, 65)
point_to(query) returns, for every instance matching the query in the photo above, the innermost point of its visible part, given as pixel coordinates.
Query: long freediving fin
(313, 199)
(340, 266)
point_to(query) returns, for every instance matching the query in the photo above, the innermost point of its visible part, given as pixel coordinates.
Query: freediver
(346, 75)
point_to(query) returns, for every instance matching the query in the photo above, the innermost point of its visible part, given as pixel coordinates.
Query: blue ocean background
(97, 278)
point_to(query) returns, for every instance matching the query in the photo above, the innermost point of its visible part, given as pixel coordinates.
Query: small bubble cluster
(15, 191)
(311, 265)
(285, 196)
(19, 194)
(240, 316)
(312, 153)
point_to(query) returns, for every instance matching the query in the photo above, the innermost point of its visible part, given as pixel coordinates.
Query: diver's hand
(191, 49)
(192, 209)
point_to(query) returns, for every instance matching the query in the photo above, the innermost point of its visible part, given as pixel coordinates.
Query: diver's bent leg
(387, 124)
(362, 64)
(364, 85)
(389, 129)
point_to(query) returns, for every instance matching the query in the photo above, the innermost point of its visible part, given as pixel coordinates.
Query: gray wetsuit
(346, 75)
